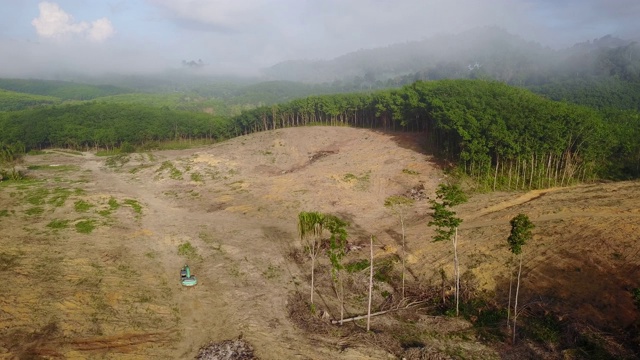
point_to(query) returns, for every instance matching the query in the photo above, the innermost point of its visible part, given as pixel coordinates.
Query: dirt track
(114, 293)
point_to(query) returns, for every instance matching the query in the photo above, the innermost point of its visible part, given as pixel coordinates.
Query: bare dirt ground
(230, 211)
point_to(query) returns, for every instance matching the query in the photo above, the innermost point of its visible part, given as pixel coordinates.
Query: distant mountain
(491, 49)
(486, 52)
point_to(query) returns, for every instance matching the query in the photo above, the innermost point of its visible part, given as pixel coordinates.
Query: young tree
(399, 206)
(446, 224)
(9, 156)
(335, 252)
(310, 227)
(521, 228)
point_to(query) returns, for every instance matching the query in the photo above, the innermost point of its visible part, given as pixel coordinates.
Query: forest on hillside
(503, 137)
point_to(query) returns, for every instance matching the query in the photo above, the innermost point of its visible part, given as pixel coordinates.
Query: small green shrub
(127, 148)
(4, 213)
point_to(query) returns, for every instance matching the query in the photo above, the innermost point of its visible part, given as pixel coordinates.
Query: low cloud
(55, 23)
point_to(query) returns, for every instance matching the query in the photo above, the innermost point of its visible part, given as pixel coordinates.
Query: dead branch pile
(227, 350)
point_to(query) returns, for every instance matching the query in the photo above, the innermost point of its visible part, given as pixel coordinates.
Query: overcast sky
(244, 35)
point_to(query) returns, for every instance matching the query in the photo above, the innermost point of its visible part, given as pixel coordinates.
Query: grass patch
(4, 213)
(58, 224)
(36, 152)
(71, 152)
(545, 329)
(57, 168)
(135, 205)
(197, 177)
(37, 210)
(8, 261)
(85, 226)
(360, 182)
(174, 173)
(113, 204)
(82, 206)
(111, 152)
(37, 196)
(59, 196)
(117, 160)
(188, 250)
(356, 266)
(272, 272)
(383, 269)
(410, 172)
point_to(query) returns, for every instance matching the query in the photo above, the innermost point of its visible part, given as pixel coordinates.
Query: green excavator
(186, 278)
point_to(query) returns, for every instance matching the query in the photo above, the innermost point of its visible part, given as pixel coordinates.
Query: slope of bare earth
(90, 251)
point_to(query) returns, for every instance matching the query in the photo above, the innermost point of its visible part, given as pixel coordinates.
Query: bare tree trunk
(370, 284)
(403, 252)
(341, 296)
(510, 290)
(515, 304)
(313, 265)
(457, 271)
(495, 175)
(510, 167)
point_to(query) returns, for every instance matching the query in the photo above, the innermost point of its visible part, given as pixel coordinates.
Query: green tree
(446, 224)
(335, 252)
(521, 228)
(310, 228)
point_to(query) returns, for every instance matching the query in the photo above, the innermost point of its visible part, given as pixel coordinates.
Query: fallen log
(360, 317)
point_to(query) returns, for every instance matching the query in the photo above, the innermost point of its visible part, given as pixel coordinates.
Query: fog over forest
(57, 40)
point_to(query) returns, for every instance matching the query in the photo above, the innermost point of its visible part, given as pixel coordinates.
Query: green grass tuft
(37, 210)
(82, 206)
(58, 224)
(85, 226)
(37, 196)
(188, 250)
(135, 205)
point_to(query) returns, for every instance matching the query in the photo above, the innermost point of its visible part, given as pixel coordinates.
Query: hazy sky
(243, 35)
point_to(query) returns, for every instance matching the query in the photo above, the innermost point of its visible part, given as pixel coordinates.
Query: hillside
(64, 90)
(11, 100)
(92, 249)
